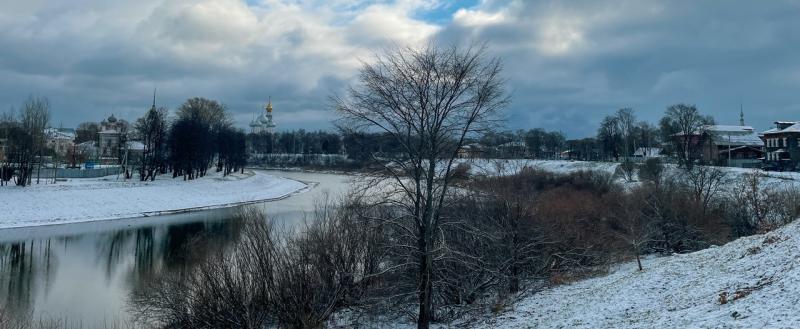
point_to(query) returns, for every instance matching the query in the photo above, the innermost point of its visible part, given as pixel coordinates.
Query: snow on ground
(510, 166)
(758, 276)
(92, 199)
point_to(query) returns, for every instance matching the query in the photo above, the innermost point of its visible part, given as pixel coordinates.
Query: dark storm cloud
(568, 63)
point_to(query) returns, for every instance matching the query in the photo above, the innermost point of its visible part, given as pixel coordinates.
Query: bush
(461, 171)
(627, 169)
(292, 280)
(652, 171)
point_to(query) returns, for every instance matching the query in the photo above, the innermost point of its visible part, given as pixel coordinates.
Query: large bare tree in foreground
(429, 100)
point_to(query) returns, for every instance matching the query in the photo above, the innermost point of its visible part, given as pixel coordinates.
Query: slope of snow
(82, 200)
(758, 277)
(510, 166)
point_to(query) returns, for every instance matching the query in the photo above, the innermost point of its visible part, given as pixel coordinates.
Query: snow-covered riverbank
(753, 282)
(83, 200)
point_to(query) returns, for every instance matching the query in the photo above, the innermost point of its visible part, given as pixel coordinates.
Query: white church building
(263, 123)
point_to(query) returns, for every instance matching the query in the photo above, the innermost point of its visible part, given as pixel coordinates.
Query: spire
(154, 98)
(269, 105)
(741, 115)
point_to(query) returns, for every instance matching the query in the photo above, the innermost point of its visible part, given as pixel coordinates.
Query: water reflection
(26, 267)
(86, 271)
(119, 261)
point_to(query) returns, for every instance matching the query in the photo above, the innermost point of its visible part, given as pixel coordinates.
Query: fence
(77, 173)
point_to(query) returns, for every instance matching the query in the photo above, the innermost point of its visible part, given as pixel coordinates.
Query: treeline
(296, 142)
(539, 143)
(619, 135)
(199, 137)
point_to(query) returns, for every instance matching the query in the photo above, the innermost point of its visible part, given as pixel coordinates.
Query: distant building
(60, 140)
(471, 151)
(647, 152)
(733, 146)
(725, 145)
(783, 145)
(111, 130)
(263, 123)
(3, 149)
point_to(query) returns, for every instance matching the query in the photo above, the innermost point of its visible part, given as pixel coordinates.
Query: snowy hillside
(91, 199)
(753, 282)
(509, 166)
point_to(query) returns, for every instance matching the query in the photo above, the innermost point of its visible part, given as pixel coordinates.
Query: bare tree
(626, 121)
(704, 183)
(152, 128)
(429, 100)
(680, 124)
(637, 229)
(610, 136)
(28, 141)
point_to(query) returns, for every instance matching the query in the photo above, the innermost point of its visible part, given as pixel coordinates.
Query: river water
(83, 273)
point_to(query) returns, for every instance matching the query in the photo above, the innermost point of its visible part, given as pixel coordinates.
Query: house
(783, 145)
(471, 151)
(647, 152)
(60, 140)
(733, 146)
(568, 155)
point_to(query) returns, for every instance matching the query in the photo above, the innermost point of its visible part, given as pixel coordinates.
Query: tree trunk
(425, 287)
(639, 261)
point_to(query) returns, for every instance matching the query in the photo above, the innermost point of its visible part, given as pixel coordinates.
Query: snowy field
(92, 199)
(759, 277)
(510, 166)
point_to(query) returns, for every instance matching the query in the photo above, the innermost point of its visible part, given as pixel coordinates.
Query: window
(784, 142)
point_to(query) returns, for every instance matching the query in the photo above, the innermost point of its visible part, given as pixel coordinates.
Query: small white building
(647, 152)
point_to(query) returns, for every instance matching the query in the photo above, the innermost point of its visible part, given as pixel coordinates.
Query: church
(263, 123)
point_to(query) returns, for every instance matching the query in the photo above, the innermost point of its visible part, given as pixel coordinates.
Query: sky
(567, 63)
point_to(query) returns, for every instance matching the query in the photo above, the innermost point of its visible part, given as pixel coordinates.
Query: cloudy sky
(568, 63)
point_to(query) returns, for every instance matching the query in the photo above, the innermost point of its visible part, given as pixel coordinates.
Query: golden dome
(269, 107)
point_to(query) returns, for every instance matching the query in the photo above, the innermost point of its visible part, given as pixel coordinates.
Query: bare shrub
(292, 279)
(683, 223)
(784, 202)
(704, 183)
(635, 228)
(627, 169)
(652, 171)
(461, 171)
(752, 201)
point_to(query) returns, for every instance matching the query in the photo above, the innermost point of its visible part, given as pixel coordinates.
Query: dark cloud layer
(568, 63)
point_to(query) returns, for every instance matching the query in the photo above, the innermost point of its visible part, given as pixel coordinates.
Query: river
(83, 273)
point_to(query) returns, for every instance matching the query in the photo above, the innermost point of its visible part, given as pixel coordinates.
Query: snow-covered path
(82, 200)
(759, 277)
